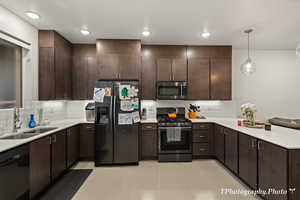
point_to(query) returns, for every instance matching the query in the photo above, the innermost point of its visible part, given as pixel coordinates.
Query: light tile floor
(199, 180)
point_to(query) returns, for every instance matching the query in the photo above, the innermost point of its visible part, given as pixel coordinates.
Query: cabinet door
(231, 149)
(248, 160)
(72, 145)
(80, 78)
(164, 69)
(59, 73)
(220, 79)
(46, 73)
(93, 76)
(68, 72)
(179, 69)
(87, 142)
(272, 169)
(109, 66)
(149, 144)
(219, 143)
(148, 78)
(129, 67)
(40, 176)
(59, 157)
(198, 79)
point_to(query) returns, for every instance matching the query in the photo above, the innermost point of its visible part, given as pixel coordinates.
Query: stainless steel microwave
(171, 90)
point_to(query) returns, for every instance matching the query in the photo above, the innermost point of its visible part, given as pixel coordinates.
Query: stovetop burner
(179, 121)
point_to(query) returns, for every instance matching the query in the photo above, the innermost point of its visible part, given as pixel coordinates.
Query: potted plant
(193, 109)
(248, 111)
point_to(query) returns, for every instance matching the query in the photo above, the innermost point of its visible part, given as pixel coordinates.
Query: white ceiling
(276, 22)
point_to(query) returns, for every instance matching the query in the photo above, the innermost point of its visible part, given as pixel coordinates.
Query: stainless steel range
(175, 136)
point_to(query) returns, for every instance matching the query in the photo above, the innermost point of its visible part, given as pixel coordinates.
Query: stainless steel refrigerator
(117, 123)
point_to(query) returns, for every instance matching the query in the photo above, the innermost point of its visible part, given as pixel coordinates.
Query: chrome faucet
(16, 120)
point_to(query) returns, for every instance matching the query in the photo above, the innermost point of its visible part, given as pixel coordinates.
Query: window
(10, 75)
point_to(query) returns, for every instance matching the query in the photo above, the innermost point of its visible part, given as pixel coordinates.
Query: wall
(274, 88)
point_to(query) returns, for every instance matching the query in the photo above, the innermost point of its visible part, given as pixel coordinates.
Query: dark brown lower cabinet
(231, 149)
(40, 174)
(87, 142)
(202, 139)
(248, 160)
(272, 170)
(148, 145)
(73, 145)
(59, 157)
(219, 143)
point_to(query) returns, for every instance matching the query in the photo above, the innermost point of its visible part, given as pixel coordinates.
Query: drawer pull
(148, 127)
(201, 136)
(202, 149)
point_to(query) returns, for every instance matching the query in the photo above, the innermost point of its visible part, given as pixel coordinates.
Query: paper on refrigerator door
(99, 94)
(126, 105)
(124, 118)
(135, 103)
(136, 117)
(124, 92)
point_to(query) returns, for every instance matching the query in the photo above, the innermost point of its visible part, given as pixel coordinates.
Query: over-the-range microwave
(171, 90)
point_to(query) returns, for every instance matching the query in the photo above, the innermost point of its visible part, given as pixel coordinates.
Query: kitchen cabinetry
(169, 69)
(119, 59)
(54, 66)
(85, 72)
(148, 144)
(87, 142)
(248, 159)
(231, 149)
(272, 169)
(219, 143)
(58, 152)
(202, 139)
(40, 162)
(148, 77)
(220, 79)
(209, 72)
(73, 145)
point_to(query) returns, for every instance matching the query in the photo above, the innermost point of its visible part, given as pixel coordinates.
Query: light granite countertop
(6, 144)
(284, 137)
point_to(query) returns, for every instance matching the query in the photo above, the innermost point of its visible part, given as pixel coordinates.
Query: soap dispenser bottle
(32, 123)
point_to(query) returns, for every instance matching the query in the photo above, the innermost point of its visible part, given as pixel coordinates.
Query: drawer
(200, 136)
(149, 127)
(88, 128)
(200, 149)
(202, 126)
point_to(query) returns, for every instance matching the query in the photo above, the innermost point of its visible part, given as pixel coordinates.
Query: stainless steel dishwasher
(14, 174)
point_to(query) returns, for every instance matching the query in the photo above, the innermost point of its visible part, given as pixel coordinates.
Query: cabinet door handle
(54, 139)
(50, 140)
(201, 136)
(253, 143)
(259, 145)
(117, 75)
(173, 77)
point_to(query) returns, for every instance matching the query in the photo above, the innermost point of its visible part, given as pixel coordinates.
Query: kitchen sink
(28, 134)
(40, 130)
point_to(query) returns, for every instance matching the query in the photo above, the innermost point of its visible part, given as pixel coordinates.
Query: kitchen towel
(174, 135)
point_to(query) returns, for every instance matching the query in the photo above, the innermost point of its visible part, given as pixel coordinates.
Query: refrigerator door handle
(114, 111)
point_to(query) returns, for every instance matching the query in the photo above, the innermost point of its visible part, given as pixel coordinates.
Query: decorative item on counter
(193, 109)
(31, 123)
(172, 115)
(248, 111)
(239, 122)
(268, 126)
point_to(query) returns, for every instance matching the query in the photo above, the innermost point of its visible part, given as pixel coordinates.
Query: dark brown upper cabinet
(55, 54)
(209, 72)
(199, 79)
(148, 75)
(85, 72)
(171, 69)
(164, 69)
(119, 59)
(220, 79)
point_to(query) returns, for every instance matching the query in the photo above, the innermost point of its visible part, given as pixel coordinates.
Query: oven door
(171, 90)
(175, 140)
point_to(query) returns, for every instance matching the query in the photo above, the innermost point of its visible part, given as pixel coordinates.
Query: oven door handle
(181, 128)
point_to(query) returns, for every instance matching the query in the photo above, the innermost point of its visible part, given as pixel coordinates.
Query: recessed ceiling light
(32, 15)
(205, 34)
(146, 33)
(84, 32)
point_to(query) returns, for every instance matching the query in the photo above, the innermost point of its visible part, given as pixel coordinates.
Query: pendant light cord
(248, 46)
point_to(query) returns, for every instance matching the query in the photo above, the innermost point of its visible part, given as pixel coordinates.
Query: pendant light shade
(248, 67)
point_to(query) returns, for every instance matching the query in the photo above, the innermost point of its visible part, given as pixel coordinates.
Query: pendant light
(298, 50)
(248, 67)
